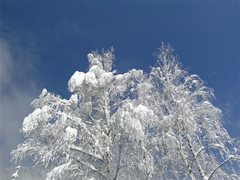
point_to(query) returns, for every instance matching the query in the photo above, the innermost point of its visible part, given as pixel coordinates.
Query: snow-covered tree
(191, 140)
(160, 125)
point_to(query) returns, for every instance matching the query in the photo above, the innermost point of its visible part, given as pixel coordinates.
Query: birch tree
(192, 140)
(136, 125)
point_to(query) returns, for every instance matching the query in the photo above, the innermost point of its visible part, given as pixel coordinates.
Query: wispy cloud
(18, 87)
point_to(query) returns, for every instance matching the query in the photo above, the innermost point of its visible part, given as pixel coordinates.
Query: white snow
(143, 112)
(43, 93)
(90, 79)
(90, 56)
(105, 79)
(194, 81)
(93, 60)
(32, 120)
(96, 70)
(135, 124)
(131, 121)
(16, 175)
(136, 73)
(207, 103)
(70, 134)
(74, 99)
(76, 81)
(142, 109)
(58, 172)
(97, 77)
(119, 78)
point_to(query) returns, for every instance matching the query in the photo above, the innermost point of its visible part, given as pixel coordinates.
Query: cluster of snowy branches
(160, 125)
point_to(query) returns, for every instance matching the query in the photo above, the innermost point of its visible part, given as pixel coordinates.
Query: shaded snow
(135, 124)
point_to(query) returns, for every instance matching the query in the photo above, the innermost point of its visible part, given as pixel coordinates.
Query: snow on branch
(96, 156)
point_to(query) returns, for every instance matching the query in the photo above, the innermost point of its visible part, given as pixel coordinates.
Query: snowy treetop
(135, 125)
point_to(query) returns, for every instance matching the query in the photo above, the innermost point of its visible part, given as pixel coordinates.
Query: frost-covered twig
(209, 146)
(15, 175)
(224, 162)
(88, 153)
(90, 166)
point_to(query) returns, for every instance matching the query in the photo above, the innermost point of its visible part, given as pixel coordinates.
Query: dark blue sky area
(205, 35)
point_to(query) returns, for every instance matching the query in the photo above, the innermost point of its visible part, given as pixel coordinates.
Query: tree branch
(209, 146)
(195, 159)
(96, 156)
(224, 162)
(90, 166)
(119, 162)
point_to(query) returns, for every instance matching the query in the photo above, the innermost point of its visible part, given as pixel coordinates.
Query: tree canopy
(137, 125)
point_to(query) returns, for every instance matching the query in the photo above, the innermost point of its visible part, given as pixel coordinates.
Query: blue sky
(43, 42)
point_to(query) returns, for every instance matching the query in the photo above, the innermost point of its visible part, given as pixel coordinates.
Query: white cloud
(17, 90)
